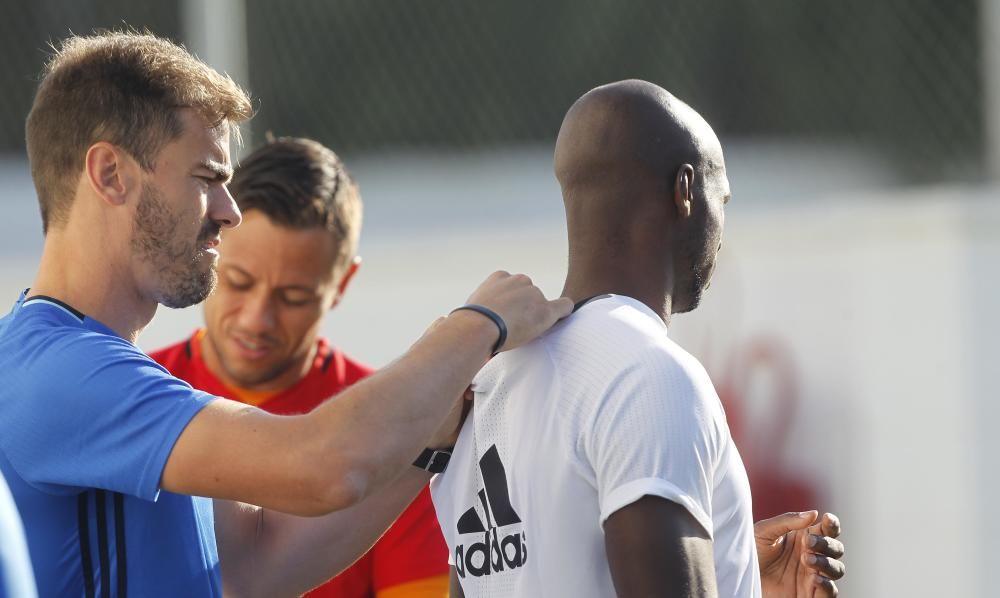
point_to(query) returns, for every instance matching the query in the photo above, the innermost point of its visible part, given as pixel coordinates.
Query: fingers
(825, 588)
(561, 307)
(522, 306)
(830, 525)
(824, 566)
(825, 545)
(769, 530)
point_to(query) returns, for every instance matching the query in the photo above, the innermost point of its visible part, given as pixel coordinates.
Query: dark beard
(694, 295)
(183, 280)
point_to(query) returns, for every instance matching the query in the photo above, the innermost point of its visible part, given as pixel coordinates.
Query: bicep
(655, 547)
(233, 451)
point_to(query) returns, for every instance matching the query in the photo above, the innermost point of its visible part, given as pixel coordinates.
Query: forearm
(344, 450)
(350, 447)
(268, 553)
(378, 427)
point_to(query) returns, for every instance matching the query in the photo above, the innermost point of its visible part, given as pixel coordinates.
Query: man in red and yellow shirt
(280, 272)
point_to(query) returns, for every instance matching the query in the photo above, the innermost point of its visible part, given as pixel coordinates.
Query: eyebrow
(222, 172)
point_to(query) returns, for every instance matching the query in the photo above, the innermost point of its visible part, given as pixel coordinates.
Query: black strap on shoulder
(87, 563)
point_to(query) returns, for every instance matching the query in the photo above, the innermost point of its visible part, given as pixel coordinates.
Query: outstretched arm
(348, 449)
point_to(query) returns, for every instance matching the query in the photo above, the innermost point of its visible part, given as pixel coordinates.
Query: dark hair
(300, 183)
(123, 88)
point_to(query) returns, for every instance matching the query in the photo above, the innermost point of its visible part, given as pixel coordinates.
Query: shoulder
(615, 335)
(36, 341)
(43, 355)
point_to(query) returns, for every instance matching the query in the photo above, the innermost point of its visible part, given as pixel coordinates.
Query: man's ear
(352, 269)
(111, 173)
(683, 185)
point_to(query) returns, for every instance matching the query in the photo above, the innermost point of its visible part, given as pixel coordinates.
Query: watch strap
(433, 460)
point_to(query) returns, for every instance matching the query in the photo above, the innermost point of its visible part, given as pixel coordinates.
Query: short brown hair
(124, 88)
(300, 183)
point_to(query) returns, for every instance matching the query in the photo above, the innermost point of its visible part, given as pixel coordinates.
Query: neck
(92, 282)
(593, 275)
(617, 244)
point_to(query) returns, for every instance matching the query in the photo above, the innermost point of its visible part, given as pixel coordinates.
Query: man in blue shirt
(105, 453)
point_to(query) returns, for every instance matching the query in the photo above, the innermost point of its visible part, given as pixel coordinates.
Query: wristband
(433, 460)
(489, 313)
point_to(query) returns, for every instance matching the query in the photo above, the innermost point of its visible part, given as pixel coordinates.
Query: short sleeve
(89, 410)
(652, 433)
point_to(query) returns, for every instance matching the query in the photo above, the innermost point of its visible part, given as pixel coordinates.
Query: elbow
(335, 487)
(345, 489)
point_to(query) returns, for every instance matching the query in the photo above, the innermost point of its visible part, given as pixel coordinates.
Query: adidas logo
(496, 552)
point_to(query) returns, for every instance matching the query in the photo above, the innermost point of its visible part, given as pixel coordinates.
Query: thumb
(769, 530)
(561, 307)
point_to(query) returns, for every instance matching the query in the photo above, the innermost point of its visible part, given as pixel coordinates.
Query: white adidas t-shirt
(599, 412)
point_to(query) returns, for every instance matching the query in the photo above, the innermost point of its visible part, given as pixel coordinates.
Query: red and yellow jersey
(411, 559)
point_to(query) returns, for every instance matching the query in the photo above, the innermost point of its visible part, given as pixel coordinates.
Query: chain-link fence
(901, 77)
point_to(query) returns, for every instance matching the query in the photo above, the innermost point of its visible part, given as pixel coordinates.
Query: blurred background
(851, 328)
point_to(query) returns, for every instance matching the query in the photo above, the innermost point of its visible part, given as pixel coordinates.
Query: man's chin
(192, 292)
(250, 377)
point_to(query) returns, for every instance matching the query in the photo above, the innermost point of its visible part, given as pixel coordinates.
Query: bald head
(632, 128)
(644, 183)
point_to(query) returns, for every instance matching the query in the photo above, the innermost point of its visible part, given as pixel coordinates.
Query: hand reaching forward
(799, 558)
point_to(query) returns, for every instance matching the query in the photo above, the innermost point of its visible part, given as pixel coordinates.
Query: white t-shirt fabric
(602, 410)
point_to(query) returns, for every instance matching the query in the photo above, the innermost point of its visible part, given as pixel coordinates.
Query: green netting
(899, 76)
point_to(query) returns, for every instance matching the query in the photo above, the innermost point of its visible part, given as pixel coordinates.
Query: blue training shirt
(87, 422)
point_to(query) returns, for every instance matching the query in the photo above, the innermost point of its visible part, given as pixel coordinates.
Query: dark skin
(680, 541)
(785, 544)
(644, 185)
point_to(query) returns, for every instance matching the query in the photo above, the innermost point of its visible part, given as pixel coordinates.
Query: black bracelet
(489, 313)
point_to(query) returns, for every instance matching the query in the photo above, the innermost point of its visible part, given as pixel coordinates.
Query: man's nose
(222, 208)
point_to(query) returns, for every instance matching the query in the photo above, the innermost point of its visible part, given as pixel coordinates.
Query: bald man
(597, 460)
